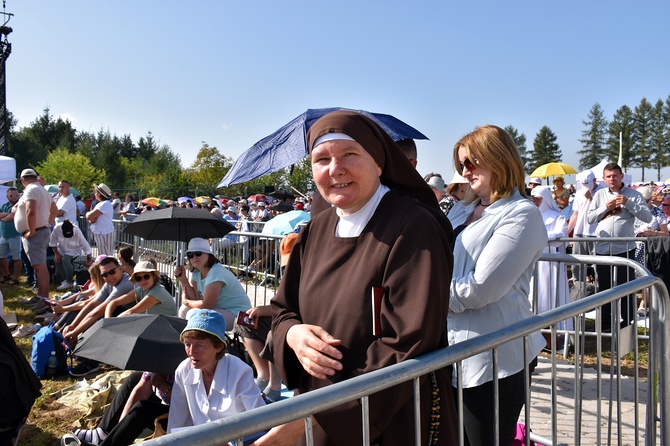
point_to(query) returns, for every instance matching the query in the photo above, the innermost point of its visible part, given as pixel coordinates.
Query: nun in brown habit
(384, 231)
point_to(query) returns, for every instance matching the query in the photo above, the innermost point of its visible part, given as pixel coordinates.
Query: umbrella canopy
(53, 189)
(286, 223)
(257, 198)
(153, 201)
(181, 200)
(281, 207)
(288, 145)
(203, 199)
(552, 169)
(178, 224)
(281, 195)
(147, 342)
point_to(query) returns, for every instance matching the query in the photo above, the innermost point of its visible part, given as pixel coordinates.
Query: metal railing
(655, 428)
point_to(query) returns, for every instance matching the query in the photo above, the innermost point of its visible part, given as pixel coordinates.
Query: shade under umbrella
(286, 223)
(147, 342)
(178, 224)
(288, 145)
(553, 169)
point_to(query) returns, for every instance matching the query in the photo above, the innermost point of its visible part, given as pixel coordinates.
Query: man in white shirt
(116, 205)
(67, 207)
(614, 209)
(33, 214)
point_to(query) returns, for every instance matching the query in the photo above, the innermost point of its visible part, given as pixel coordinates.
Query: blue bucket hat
(208, 321)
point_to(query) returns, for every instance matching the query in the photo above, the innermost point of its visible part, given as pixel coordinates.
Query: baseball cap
(28, 173)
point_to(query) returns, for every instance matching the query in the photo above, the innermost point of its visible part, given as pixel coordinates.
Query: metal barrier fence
(650, 420)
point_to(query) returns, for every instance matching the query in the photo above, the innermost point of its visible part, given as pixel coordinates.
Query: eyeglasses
(108, 273)
(467, 164)
(190, 255)
(140, 277)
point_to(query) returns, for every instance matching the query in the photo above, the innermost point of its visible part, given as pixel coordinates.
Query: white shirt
(68, 205)
(33, 191)
(233, 391)
(72, 246)
(493, 263)
(104, 224)
(581, 205)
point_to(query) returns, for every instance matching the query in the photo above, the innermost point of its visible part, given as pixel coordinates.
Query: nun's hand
(315, 349)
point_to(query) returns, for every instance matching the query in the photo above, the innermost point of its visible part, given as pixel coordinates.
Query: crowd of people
(444, 262)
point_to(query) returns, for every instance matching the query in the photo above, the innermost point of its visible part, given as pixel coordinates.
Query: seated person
(142, 398)
(117, 283)
(148, 296)
(224, 381)
(69, 307)
(67, 242)
(212, 286)
(256, 338)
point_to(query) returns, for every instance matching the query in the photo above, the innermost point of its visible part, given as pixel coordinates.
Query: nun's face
(345, 173)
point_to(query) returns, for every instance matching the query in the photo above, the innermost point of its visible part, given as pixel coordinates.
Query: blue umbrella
(288, 145)
(285, 223)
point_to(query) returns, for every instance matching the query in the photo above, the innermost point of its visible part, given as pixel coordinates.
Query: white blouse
(494, 259)
(233, 391)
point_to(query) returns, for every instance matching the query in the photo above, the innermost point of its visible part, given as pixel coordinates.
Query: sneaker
(70, 440)
(46, 318)
(90, 436)
(23, 332)
(44, 310)
(28, 300)
(85, 368)
(40, 306)
(65, 285)
(271, 396)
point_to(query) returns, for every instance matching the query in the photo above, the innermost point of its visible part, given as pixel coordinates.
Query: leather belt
(36, 230)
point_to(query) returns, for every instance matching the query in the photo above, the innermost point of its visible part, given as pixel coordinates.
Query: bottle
(52, 365)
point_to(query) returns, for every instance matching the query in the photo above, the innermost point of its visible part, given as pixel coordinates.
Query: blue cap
(208, 321)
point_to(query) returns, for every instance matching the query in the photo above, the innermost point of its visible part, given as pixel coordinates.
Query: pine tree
(520, 141)
(658, 142)
(545, 149)
(641, 135)
(621, 123)
(593, 138)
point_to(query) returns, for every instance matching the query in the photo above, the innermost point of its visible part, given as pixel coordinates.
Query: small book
(377, 296)
(244, 319)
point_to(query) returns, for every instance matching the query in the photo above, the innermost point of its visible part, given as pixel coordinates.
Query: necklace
(484, 205)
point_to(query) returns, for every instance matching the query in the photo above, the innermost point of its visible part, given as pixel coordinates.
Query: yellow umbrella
(202, 200)
(552, 169)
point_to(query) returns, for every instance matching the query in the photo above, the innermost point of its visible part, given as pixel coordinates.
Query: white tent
(7, 169)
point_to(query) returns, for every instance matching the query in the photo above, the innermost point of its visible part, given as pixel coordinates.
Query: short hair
(408, 147)
(11, 188)
(216, 342)
(612, 166)
(65, 181)
(493, 149)
(109, 260)
(130, 196)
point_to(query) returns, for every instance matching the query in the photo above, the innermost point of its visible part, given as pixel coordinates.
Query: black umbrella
(281, 207)
(281, 195)
(147, 342)
(178, 224)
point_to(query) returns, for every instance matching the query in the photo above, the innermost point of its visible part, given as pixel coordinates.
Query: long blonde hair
(495, 150)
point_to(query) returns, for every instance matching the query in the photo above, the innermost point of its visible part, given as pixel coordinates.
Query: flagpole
(620, 148)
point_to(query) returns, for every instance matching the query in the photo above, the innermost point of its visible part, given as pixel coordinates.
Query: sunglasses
(190, 255)
(141, 277)
(467, 164)
(109, 273)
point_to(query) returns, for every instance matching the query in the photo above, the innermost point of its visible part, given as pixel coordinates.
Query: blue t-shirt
(165, 305)
(7, 228)
(232, 296)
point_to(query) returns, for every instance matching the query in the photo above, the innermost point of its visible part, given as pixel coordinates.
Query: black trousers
(606, 281)
(141, 415)
(479, 409)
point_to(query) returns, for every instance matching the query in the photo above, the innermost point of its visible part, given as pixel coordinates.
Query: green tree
(520, 141)
(593, 138)
(621, 124)
(641, 135)
(658, 141)
(209, 167)
(74, 167)
(545, 149)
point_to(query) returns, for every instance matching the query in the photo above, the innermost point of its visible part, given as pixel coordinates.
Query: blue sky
(229, 73)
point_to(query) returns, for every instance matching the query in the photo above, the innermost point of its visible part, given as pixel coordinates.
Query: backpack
(45, 341)
(167, 283)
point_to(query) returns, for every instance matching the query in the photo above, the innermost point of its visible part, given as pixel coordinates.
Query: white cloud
(68, 117)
